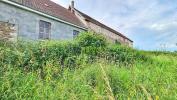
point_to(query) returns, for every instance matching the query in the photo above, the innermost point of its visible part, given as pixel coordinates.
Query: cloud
(164, 26)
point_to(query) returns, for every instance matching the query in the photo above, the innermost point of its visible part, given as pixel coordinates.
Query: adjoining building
(96, 26)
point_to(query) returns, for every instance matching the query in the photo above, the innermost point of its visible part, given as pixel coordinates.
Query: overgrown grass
(86, 68)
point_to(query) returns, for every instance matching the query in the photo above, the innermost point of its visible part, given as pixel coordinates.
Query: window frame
(45, 26)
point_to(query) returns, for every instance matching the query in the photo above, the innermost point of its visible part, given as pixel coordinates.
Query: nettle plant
(6, 30)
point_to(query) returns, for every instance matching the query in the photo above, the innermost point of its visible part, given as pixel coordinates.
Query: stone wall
(7, 32)
(27, 23)
(112, 37)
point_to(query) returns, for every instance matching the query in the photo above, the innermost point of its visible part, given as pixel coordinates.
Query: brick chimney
(72, 6)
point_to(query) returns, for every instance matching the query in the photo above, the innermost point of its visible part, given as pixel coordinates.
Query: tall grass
(86, 68)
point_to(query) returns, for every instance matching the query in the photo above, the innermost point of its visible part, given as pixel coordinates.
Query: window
(44, 30)
(75, 33)
(117, 42)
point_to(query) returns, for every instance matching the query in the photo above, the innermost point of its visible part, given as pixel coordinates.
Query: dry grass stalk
(110, 93)
(145, 92)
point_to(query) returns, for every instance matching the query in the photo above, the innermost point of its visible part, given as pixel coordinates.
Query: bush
(91, 39)
(123, 54)
(34, 55)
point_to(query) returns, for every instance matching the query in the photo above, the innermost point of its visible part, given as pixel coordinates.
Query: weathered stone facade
(110, 35)
(27, 23)
(7, 32)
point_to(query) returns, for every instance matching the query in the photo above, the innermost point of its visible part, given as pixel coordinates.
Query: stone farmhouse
(44, 19)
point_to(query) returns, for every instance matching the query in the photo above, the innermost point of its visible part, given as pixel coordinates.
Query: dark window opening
(75, 33)
(44, 30)
(117, 42)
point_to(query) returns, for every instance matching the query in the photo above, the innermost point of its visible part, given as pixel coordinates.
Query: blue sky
(151, 24)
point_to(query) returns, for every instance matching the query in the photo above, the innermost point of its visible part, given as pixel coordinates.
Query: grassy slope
(101, 79)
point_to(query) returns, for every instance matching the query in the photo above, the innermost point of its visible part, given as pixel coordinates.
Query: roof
(90, 19)
(53, 9)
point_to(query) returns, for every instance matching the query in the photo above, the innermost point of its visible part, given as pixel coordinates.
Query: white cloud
(164, 26)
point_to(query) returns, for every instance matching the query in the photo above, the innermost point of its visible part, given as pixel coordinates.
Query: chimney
(72, 6)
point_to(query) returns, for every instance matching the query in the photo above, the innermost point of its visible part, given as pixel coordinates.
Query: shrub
(34, 55)
(91, 39)
(123, 54)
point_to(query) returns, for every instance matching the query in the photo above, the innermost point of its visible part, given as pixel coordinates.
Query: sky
(151, 24)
